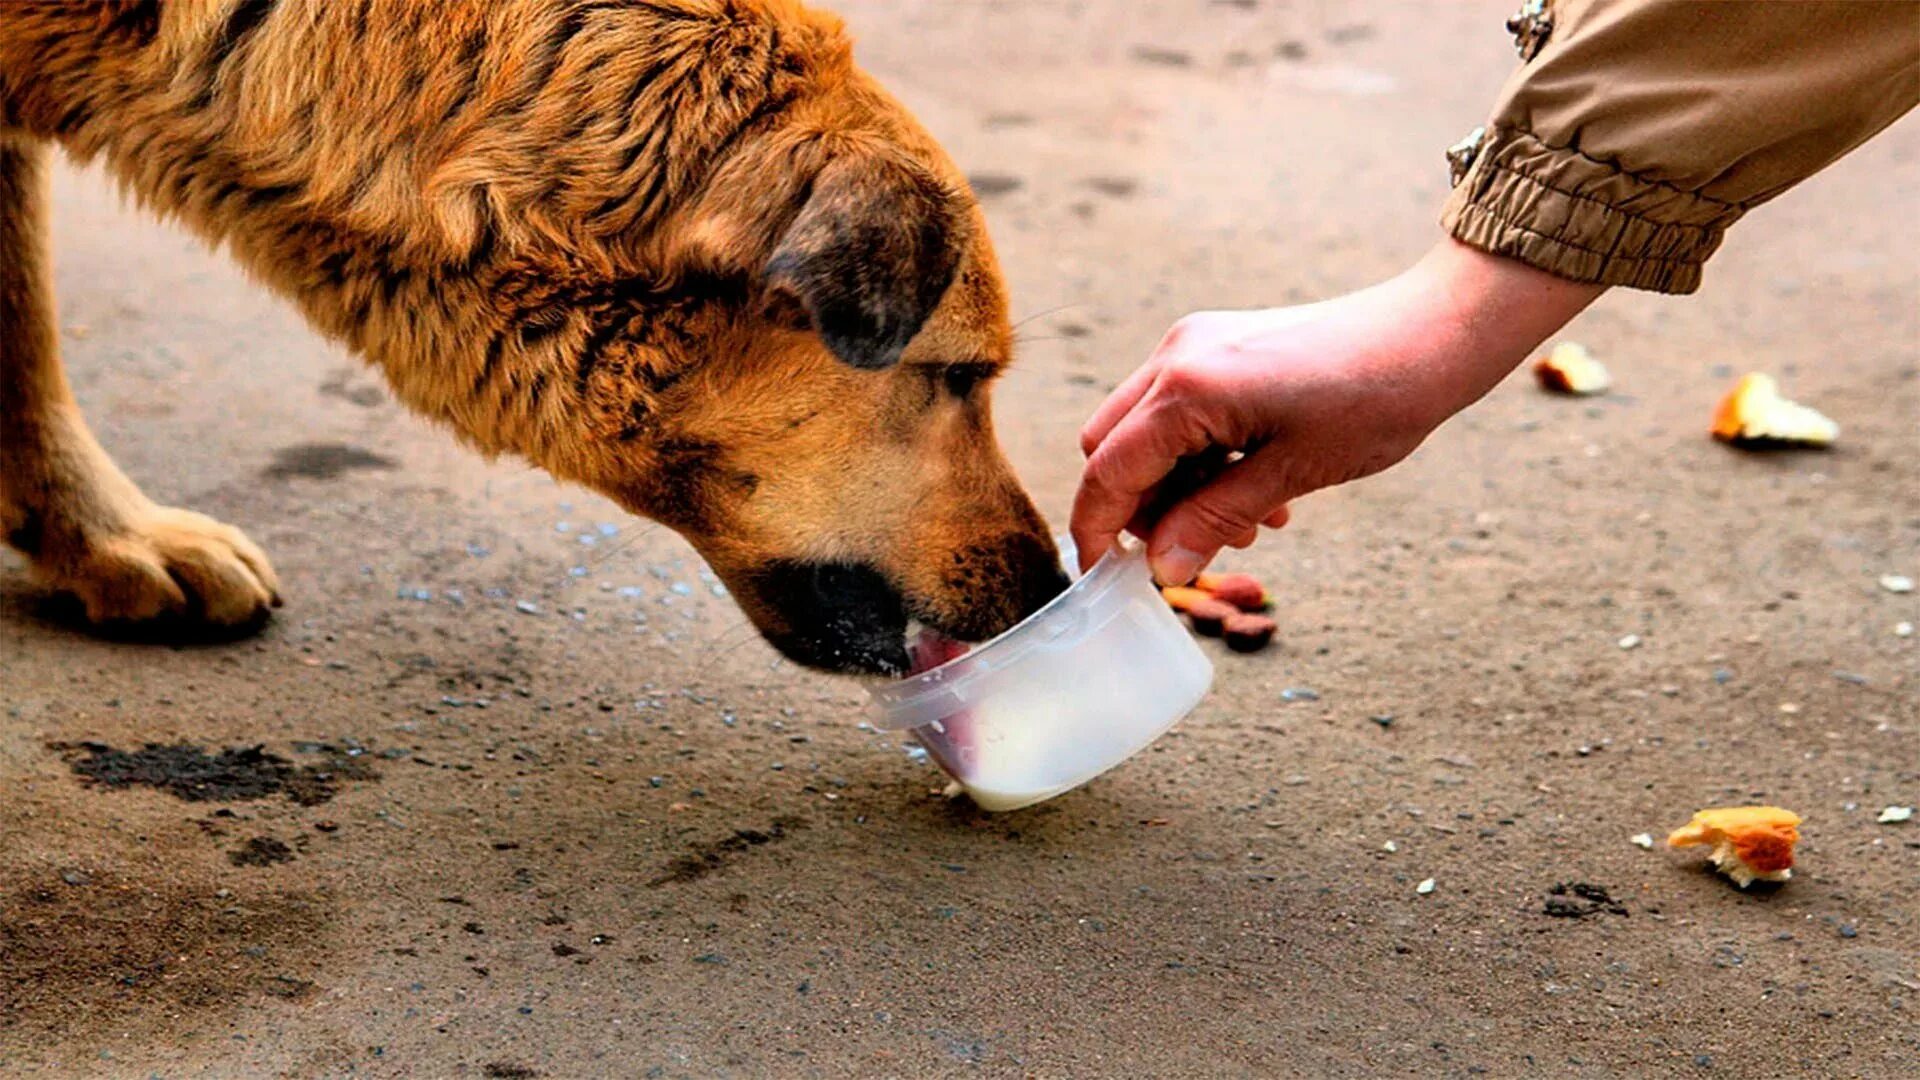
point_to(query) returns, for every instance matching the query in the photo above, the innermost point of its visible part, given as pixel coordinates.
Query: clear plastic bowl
(1077, 688)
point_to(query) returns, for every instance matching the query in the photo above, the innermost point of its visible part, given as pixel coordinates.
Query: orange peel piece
(1570, 369)
(1750, 843)
(1753, 414)
(1182, 599)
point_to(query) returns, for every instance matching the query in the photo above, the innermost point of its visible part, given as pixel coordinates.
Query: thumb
(1250, 492)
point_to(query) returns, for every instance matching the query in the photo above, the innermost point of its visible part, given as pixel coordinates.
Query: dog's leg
(85, 527)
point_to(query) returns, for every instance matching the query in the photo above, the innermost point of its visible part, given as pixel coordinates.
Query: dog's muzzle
(836, 617)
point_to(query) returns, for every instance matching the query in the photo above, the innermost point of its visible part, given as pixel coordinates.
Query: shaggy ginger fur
(681, 251)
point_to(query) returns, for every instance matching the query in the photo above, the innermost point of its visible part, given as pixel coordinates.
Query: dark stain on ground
(1114, 187)
(260, 851)
(340, 385)
(1151, 54)
(236, 774)
(1580, 900)
(992, 185)
(507, 1070)
(709, 857)
(287, 988)
(122, 950)
(323, 461)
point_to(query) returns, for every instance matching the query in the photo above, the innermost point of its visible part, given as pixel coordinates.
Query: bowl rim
(904, 693)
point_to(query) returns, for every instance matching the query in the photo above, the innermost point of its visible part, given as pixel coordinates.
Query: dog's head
(806, 399)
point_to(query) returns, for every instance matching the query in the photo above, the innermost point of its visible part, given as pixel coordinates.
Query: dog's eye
(961, 380)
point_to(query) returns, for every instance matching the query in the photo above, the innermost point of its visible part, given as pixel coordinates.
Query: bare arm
(1313, 396)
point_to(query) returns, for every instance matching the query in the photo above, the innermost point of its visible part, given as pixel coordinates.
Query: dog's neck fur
(488, 212)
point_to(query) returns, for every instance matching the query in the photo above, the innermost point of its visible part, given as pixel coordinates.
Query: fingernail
(1177, 566)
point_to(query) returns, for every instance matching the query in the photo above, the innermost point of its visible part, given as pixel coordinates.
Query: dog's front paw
(168, 563)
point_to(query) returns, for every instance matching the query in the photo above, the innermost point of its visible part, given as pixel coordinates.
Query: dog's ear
(873, 249)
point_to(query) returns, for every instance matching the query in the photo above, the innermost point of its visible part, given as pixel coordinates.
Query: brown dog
(681, 251)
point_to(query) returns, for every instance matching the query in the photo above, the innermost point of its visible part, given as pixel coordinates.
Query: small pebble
(1904, 629)
(1385, 720)
(1643, 841)
(1299, 693)
(1896, 583)
(1894, 815)
(1389, 847)
(527, 607)
(1631, 641)
(1424, 887)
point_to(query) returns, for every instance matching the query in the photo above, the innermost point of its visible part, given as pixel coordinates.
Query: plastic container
(1077, 688)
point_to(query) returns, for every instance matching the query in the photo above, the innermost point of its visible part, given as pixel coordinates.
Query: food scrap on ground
(1240, 590)
(1228, 606)
(1249, 633)
(1571, 369)
(1209, 617)
(1181, 598)
(1750, 843)
(1643, 841)
(1754, 416)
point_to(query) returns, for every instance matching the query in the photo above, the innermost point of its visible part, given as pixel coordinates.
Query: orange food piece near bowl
(1241, 590)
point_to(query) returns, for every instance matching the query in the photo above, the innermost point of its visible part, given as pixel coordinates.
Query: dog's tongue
(931, 649)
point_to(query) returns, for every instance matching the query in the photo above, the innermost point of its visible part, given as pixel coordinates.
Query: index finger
(1135, 457)
(1117, 405)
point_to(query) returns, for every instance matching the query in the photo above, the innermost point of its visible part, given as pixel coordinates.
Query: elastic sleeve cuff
(1584, 219)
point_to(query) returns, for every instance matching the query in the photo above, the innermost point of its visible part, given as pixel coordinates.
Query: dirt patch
(709, 857)
(323, 461)
(236, 774)
(261, 851)
(117, 950)
(994, 185)
(1580, 900)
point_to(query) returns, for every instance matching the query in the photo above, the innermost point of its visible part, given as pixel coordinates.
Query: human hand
(1311, 396)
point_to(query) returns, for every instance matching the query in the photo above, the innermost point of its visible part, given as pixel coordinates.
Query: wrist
(1479, 317)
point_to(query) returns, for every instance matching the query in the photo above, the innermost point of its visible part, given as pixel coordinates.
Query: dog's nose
(836, 616)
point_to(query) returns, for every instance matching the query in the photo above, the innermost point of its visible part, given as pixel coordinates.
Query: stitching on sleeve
(1616, 166)
(1705, 231)
(1605, 257)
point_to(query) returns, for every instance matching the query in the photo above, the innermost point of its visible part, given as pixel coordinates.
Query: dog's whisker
(1047, 312)
(621, 545)
(720, 649)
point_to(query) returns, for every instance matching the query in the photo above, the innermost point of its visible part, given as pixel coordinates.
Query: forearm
(1470, 319)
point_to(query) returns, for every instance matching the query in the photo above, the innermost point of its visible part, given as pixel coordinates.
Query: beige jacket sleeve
(1640, 130)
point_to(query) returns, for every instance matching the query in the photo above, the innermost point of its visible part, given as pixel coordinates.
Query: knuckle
(1224, 522)
(1181, 380)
